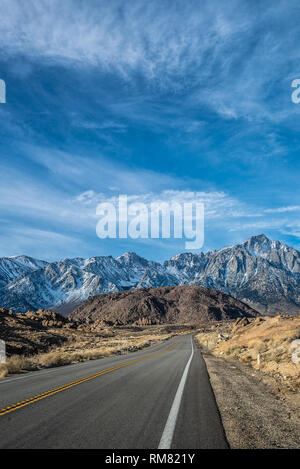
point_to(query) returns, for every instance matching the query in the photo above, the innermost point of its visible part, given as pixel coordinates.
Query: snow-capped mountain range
(261, 272)
(12, 267)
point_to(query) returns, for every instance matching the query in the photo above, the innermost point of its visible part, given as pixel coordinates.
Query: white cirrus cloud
(227, 57)
(289, 208)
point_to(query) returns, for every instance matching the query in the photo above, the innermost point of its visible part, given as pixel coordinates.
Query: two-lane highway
(156, 398)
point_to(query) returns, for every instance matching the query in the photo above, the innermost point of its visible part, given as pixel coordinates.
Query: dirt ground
(254, 414)
(268, 344)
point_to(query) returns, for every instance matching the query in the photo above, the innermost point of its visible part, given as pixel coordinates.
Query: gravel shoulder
(254, 414)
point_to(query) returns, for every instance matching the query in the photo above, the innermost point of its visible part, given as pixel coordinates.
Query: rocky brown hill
(180, 304)
(34, 331)
(44, 338)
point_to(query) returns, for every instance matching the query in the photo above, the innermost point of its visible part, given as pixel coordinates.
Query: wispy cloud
(75, 170)
(156, 100)
(291, 208)
(211, 53)
(217, 204)
(152, 37)
(18, 240)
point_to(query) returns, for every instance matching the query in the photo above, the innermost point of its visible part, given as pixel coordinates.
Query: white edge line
(167, 436)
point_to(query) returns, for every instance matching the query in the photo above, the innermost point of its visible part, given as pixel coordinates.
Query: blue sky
(151, 99)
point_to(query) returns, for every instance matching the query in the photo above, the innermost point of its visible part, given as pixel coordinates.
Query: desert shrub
(297, 334)
(17, 363)
(247, 359)
(3, 370)
(261, 348)
(276, 355)
(53, 359)
(234, 351)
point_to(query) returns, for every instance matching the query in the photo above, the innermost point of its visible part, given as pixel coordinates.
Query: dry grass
(84, 351)
(18, 362)
(3, 370)
(263, 343)
(84, 346)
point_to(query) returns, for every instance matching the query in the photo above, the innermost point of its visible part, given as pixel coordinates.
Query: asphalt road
(156, 398)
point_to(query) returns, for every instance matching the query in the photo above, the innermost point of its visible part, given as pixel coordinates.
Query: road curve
(158, 397)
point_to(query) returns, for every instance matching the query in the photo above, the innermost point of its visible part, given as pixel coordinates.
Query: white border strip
(167, 436)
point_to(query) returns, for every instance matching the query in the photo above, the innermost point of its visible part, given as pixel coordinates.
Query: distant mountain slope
(263, 273)
(12, 267)
(71, 281)
(181, 305)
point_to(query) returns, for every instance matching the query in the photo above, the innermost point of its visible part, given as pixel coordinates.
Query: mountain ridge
(14, 266)
(263, 273)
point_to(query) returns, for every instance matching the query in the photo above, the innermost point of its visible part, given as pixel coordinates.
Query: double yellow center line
(43, 395)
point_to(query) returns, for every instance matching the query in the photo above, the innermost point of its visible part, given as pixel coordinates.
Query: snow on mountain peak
(262, 272)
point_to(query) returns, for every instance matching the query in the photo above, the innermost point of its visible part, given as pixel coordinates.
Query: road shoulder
(252, 415)
(199, 424)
